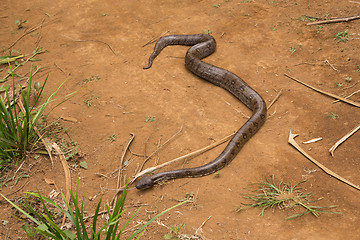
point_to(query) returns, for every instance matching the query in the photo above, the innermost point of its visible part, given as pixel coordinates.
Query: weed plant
(283, 196)
(18, 124)
(17, 128)
(111, 230)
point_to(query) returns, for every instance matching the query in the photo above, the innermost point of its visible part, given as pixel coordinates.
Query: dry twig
(348, 96)
(186, 156)
(275, 99)
(335, 20)
(332, 66)
(154, 39)
(98, 41)
(322, 167)
(113, 201)
(343, 139)
(28, 31)
(325, 93)
(161, 146)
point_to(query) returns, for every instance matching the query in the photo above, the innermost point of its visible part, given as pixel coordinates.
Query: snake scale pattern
(204, 45)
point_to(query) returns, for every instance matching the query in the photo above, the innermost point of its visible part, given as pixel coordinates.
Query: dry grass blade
(322, 167)
(325, 93)
(67, 175)
(352, 94)
(275, 99)
(91, 40)
(161, 146)
(28, 31)
(343, 139)
(113, 201)
(192, 154)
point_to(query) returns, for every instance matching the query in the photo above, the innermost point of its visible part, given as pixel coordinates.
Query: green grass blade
(154, 218)
(93, 229)
(22, 211)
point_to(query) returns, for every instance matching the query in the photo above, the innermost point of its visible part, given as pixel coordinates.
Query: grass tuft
(44, 222)
(283, 196)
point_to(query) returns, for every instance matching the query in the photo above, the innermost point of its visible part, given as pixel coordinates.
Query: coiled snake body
(202, 46)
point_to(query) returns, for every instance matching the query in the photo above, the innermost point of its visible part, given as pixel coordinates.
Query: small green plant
(342, 36)
(174, 232)
(217, 5)
(319, 27)
(46, 226)
(217, 174)
(189, 196)
(358, 68)
(292, 50)
(332, 116)
(150, 119)
(338, 84)
(207, 32)
(92, 78)
(283, 196)
(273, 28)
(304, 18)
(348, 79)
(20, 23)
(112, 138)
(90, 100)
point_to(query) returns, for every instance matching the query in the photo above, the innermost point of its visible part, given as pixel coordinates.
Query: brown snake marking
(202, 46)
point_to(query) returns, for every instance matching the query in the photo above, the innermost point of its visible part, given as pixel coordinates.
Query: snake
(203, 45)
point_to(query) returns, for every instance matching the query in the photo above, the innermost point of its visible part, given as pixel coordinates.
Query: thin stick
(348, 96)
(335, 20)
(98, 41)
(132, 136)
(152, 154)
(154, 39)
(186, 156)
(343, 139)
(17, 190)
(275, 99)
(238, 111)
(322, 167)
(113, 201)
(332, 66)
(325, 93)
(350, 86)
(28, 31)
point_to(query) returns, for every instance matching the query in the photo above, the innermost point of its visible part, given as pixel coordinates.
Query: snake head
(145, 182)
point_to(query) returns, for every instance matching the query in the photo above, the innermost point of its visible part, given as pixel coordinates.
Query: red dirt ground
(254, 38)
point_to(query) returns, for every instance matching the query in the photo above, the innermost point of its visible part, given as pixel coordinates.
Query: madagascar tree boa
(202, 46)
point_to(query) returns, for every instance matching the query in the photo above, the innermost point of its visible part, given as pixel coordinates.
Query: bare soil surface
(258, 40)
